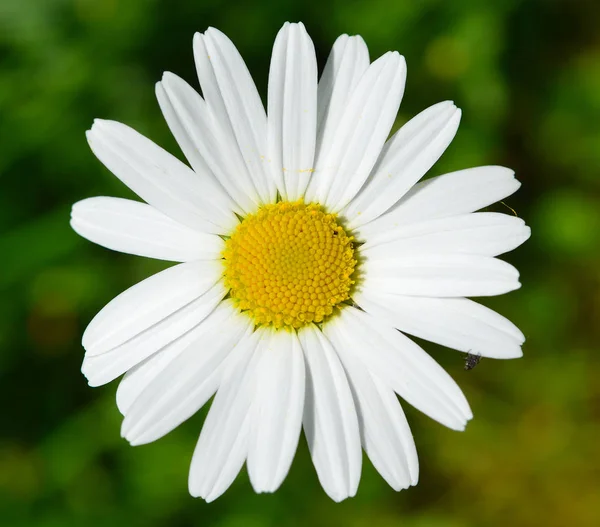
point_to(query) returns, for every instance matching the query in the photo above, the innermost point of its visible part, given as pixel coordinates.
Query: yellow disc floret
(289, 264)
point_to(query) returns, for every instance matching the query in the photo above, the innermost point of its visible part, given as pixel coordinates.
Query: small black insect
(471, 361)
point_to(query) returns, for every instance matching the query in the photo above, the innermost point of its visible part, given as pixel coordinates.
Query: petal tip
(92, 381)
(338, 497)
(211, 497)
(198, 41)
(167, 75)
(193, 488)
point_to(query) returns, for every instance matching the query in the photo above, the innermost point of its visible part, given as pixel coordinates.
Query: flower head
(308, 250)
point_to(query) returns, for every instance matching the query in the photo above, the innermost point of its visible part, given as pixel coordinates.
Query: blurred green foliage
(527, 75)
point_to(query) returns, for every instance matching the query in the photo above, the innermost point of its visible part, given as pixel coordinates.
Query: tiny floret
(289, 264)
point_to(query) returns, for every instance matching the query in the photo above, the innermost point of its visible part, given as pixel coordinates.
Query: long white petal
(223, 443)
(405, 159)
(277, 410)
(161, 179)
(189, 380)
(147, 303)
(385, 434)
(362, 131)
(211, 151)
(346, 64)
(234, 101)
(168, 334)
(187, 117)
(448, 195)
(483, 233)
(292, 110)
(457, 323)
(330, 421)
(444, 275)
(135, 381)
(136, 228)
(401, 364)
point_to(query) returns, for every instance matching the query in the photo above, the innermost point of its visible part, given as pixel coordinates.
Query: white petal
(161, 179)
(361, 134)
(189, 380)
(234, 101)
(277, 410)
(346, 64)
(149, 302)
(210, 150)
(457, 323)
(136, 228)
(448, 195)
(401, 364)
(165, 336)
(445, 275)
(483, 233)
(405, 159)
(185, 112)
(385, 434)
(223, 443)
(330, 421)
(292, 110)
(139, 377)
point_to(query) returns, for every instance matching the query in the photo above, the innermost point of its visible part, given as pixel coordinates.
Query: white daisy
(308, 251)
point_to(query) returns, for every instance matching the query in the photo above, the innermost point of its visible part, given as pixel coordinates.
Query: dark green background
(527, 76)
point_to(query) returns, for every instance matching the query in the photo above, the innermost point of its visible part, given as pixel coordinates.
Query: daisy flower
(307, 251)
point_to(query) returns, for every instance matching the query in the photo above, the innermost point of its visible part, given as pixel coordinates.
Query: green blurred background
(527, 75)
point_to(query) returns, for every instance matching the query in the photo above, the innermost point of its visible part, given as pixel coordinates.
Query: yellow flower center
(289, 264)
